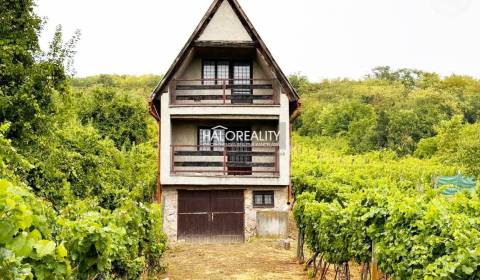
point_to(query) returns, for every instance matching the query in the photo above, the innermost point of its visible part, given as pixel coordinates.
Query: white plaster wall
(193, 70)
(284, 127)
(225, 26)
(258, 71)
(184, 133)
(185, 64)
(165, 138)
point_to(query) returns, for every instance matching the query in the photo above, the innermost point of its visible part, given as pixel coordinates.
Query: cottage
(224, 111)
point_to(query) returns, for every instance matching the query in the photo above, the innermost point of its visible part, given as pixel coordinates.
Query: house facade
(224, 111)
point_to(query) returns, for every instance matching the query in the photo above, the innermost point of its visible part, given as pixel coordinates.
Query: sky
(317, 38)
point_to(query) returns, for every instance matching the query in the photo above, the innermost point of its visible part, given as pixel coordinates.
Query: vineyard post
(373, 265)
(300, 241)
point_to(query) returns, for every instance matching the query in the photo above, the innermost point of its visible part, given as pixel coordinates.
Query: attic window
(214, 71)
(223, 70)
(209, 72)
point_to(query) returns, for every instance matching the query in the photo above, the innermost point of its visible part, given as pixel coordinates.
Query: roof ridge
(292, 94)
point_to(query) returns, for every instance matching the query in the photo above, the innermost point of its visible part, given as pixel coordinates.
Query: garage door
(211, 216)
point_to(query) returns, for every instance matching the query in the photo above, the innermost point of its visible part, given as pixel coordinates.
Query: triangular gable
(225, 26)
(253, 35)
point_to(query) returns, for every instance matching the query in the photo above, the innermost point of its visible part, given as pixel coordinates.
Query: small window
(209, 72)
(223, 71)
(204, 142)
(215, 72)
(218, 139)
(263, 199)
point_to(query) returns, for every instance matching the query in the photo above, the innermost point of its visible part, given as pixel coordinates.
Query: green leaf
(35, 235)
(61, 251)
(7, 231)
(45, 247)
(4, 184)
(467, 270)
(21, 245)
(26, 220)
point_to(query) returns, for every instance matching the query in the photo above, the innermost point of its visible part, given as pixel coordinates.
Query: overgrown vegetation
(77, 168)
(77, 164)
(365, 158)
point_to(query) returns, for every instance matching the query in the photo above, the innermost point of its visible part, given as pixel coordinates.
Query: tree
(301, 83)
(117, 114)
(29, 78)
(408, 77)
(457, 143)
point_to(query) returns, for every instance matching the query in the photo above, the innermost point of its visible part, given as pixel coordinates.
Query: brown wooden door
(211, 216)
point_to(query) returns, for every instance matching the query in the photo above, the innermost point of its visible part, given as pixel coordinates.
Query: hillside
(352, 137)
(366, 156)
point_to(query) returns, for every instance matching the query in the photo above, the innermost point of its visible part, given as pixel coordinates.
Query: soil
(257, 259)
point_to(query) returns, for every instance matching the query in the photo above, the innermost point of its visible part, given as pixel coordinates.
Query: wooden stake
(373, 265)
(300, 242)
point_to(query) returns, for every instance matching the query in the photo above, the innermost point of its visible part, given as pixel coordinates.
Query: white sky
(320, 38)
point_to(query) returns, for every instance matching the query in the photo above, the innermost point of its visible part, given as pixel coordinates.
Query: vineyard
(78, 171)
(348, 204)
(370, 194)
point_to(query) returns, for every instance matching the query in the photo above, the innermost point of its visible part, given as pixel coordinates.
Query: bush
(114, 244)
(27, 243)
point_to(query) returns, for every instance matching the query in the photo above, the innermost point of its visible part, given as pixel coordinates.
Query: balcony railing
(224, 92)
(225, 160)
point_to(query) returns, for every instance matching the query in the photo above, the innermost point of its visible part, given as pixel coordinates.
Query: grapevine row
(348, 206)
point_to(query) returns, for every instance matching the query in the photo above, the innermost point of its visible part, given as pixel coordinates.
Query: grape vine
(347, 205)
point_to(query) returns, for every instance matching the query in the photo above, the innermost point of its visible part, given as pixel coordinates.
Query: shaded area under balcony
(225, 160)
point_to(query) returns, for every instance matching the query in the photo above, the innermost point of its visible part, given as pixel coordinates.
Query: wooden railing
(226, 160)
(224, 92)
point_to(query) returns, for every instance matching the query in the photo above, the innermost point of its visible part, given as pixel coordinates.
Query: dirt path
(257, 259)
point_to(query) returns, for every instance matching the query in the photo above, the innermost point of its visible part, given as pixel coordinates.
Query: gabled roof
(292, 94)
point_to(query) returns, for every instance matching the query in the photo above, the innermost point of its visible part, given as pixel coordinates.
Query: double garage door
(211, 216)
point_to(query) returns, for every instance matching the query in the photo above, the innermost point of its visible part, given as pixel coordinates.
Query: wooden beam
(225, 44)
(223, 117)
(238, 98)
(220, 153)
(199, 87)
(220, 164)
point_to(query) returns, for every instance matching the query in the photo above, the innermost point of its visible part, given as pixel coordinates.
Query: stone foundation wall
(170, 206)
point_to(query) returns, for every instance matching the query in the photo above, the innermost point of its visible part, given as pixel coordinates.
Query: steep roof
(290, 91)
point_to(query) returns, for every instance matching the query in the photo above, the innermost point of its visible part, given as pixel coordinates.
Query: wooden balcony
(225, 160)
(229, 92)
